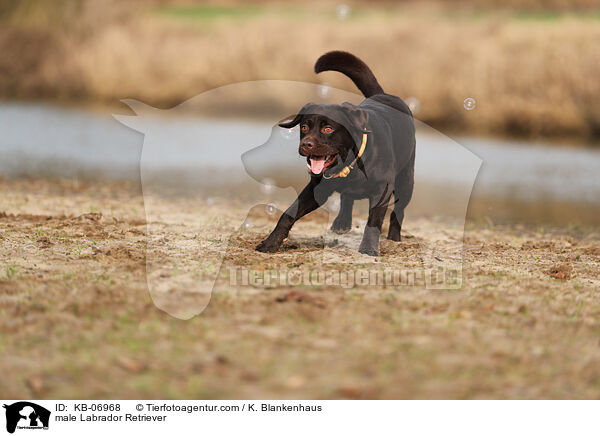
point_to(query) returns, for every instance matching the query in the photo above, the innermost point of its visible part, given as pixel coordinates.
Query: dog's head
(329, 134)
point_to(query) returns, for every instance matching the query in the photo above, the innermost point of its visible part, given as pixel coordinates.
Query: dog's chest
(355, 189)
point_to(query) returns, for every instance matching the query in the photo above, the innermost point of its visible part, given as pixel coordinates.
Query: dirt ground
(77, 319)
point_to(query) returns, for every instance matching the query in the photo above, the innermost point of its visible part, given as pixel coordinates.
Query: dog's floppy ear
(286, 123)
(359, 117)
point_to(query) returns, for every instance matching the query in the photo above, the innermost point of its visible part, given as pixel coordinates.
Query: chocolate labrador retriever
(364, 151)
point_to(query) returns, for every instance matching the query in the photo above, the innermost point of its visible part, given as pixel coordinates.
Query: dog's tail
(353, 67)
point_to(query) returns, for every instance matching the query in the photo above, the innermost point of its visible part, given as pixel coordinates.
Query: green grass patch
(11, 271)
(538, 15)
(550, 16)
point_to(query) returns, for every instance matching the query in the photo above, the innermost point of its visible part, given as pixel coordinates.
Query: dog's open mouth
(318, 164)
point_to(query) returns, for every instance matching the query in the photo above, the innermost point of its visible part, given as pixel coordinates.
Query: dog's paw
(340, 230)
(394, 236)
(368, 249)
(370, 242)
(267, 246)
(341, 226)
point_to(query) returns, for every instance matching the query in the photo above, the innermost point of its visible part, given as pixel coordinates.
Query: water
(39, 140)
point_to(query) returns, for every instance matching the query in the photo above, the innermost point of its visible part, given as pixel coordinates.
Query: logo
(26, 415)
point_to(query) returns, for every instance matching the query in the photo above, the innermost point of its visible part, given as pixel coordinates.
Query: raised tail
(353, 67)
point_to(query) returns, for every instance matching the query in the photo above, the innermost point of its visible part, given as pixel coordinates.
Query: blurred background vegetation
(531, 65)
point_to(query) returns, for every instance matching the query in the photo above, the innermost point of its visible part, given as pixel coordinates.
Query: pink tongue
(317, 164)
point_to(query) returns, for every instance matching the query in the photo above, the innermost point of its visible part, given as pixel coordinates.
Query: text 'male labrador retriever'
(364, 151)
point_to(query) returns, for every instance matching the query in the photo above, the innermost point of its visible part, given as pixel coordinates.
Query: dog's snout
(308, 144)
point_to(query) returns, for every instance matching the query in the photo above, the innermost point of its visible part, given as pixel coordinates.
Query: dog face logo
(26, 415)
(204, 162)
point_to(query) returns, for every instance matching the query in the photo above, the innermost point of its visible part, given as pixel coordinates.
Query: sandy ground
(77, 319)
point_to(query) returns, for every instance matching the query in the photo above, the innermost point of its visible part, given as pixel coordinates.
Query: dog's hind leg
(343, 222)
(403, 190)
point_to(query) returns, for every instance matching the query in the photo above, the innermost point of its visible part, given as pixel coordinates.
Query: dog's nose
(307, 144)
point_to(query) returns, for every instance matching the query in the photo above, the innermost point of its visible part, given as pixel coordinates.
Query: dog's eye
(327, 130)
(304, 128)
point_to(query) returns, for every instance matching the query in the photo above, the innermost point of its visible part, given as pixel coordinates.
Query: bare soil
(77, 320)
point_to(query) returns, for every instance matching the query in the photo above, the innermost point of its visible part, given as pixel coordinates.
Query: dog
(364, 151)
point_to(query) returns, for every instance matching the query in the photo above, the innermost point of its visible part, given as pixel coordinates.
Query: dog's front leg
(343, 222)
(305, 203)
(377, 207)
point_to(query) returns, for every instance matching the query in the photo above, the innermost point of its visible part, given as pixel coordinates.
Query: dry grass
(531, 73)
(76, 320)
